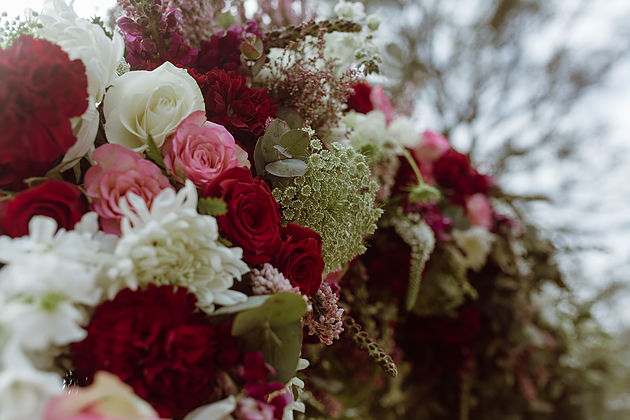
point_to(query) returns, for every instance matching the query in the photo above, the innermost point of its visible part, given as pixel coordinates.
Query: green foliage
(335, 198)
(275, 329)
(212, 206)
(281, 151)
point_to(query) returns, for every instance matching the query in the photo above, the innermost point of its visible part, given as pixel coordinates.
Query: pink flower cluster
(324, 319)
(268, 280)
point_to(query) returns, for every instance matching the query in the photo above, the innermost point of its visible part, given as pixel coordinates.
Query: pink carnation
(202, 150)
(119, 171)
(479, 211)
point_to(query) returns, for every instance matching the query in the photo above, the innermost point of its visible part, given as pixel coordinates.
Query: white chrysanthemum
(83, 40)
(476, 244)
(219, 410)
(173, 244)
(350, 10)
(24, 393)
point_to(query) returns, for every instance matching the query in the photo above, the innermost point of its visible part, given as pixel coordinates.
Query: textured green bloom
(335, 197)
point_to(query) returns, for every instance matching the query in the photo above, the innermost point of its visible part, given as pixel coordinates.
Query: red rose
(40, 90)
(158, 343)
(234, 105)
(453, 171)
(253, 216)
(59, 200)
(360, 99)
(300, 258)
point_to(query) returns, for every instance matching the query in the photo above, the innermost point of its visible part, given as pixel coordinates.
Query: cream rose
(155, 102)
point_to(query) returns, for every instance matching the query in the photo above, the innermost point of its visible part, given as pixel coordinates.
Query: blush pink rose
(108, 398)
(479, 211)
(381, 101)
(202, 150)
(432, 146)
(119, 171)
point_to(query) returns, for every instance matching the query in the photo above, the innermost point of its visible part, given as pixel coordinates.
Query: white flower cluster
(371, 130)
(48, 278)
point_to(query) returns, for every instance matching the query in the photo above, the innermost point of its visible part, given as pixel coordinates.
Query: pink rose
(479, 211)
(381, 101)
(432, 146)
(120, 170)
(202, 150)
(106, 399)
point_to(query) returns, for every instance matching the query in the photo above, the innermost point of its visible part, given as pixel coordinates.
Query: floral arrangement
(197, 206)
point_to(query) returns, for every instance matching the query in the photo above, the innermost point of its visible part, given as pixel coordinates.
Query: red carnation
(453, 171)
(300, 258)
(40, 90)
(253, 217)
(231, 103)
(59, 200)
(157, 342)
(360, 100)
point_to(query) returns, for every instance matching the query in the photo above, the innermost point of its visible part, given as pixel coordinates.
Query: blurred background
(537, 92)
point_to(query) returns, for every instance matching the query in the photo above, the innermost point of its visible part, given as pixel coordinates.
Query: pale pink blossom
(479, 211)
(381, 101)
(106, 399)
(201, 150)
(324, 317)
(119, 171)
(432, 146)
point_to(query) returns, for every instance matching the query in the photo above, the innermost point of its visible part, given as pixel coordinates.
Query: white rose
(476, 243)
(155, 102)
(85, 41)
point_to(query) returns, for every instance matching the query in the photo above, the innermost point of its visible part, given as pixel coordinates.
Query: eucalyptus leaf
(259, 159)
(287, 168)
(278, 309)
(296, 142)
(280, 346)
(250, 303)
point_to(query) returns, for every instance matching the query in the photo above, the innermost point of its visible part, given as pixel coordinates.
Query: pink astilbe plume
(269, 280)
(324, 319)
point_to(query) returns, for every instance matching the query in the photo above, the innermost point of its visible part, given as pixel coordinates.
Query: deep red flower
(234, 105)
(360, 99)
(59, 200)
(222, 51)
(387, 261)
(157, 342)
(454, 172)
(252, 221)
(40, 90)
(300, 258)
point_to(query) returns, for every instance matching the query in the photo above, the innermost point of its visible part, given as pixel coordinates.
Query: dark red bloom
(454, 172)
(157, 342)
(40, 90)
(222, 51)
(252, 221)
(59, 200)
(300, 258)
(234, 105)
(360, 100)
(255, 374)
(387, 261)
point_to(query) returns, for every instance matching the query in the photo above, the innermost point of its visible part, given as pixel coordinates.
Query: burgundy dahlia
(234, 105)
(157, 342)
(360, 98)
(40, 90)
